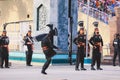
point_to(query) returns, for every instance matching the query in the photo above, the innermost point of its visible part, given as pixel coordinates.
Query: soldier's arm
(102, 42)
(91, 41)
(75, 41)
(119, 43)
(25, 39)
(55, 47)
(113, 43)
(8, 40)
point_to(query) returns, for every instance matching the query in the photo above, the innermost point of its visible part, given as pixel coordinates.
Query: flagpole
(87, 27)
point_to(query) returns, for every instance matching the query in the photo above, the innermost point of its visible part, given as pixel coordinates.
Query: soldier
(47, 48)
(97, 43)
(29, 43)
(5, 49)
(116, 45)
(80, 41)
(0, 49)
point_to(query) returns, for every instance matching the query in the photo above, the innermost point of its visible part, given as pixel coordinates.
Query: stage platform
(60, 58)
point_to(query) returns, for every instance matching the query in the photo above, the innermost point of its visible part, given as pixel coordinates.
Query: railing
(16, 31)
(94, 12)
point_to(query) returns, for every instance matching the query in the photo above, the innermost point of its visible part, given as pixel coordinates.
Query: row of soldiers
(97, 43)
(4, 49)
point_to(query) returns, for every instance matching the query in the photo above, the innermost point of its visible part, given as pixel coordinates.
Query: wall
(12, 11)
(46, 4)
(114, 24)
(15, 10)
(57, 11)
(63, 24)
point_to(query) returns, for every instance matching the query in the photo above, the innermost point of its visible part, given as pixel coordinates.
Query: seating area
(99, 9)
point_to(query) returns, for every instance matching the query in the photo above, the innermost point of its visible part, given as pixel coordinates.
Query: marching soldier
(116, 45)
(80, 41)
(47, 48)
(97, 43)
(5, 50)
(29, 43)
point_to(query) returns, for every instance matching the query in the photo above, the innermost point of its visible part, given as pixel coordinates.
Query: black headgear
(52, 31)
(4, 27)
(29, 28)
(95, 24)
(117, 35)
(81, 23)
(50, 26)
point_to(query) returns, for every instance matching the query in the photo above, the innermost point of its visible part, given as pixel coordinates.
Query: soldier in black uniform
(29, 43)
(0, 49)
(5, 50)
(97, 43)
(80, 41)
(116, 45)
(47, 48)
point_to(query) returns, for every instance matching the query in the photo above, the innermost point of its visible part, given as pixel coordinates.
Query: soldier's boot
(43, 72)
(114, 64)
(92, 68)
(99, 69)
(82, 66)
(83, 69)
(1, 66)
(119, 64)
(76, 68)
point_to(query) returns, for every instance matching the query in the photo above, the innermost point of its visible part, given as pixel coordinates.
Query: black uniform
(81, 39)
(29, 53)
(116, 45)
(5, 53)
(97, 43)
(0, 50)
(47, 47)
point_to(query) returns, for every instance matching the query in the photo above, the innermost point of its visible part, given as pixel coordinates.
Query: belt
(4, 45)
(81, 44)
(97, 44)
(44, 48)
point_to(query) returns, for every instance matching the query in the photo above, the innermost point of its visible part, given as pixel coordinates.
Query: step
(60, 58)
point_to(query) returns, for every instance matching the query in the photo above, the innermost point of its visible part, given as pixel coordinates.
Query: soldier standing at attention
(116, 45)
(29, 43)
(0, 49)
(5, 50)
(97, 42)
(80, 41)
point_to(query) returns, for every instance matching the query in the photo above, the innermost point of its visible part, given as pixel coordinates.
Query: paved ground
(19, 71)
